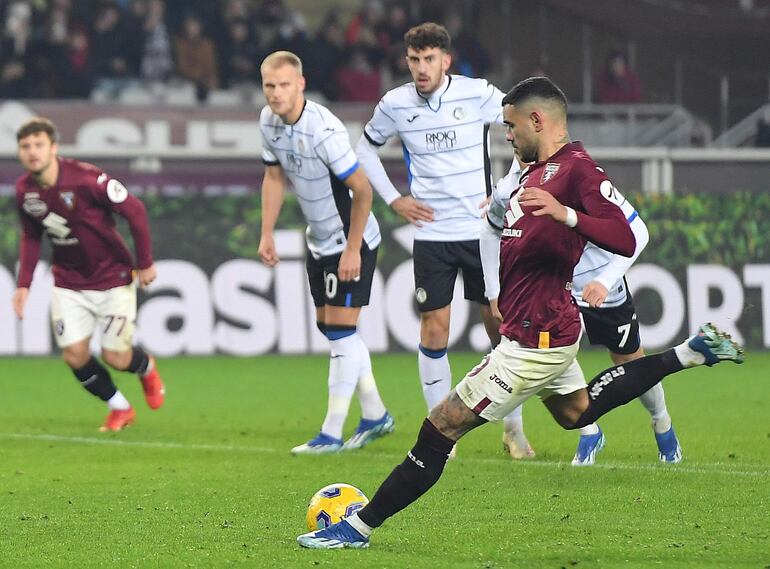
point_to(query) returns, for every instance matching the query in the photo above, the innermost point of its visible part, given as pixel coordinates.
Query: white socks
(591, 429)
(435, 375)
(654, 401)
(359, 526)
(118, 402)
(687, 356)
(372, 406)
(344, 365)
(513, 421)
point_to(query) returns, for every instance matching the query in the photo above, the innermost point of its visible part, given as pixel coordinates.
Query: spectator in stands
(269, 17)
(157, 63)
(324, 55)
(358, 80)
(17, 31)
(366, 31)
(618, 83)
(240, 54)
(110, 59)
(75, 78)
(13, 78)
(133, 23)
(291, 35)
(396, 26)
(469, 57)
(196, 57)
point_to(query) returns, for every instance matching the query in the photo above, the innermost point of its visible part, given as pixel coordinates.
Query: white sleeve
(501, 195)
(375, 171)
(333, 148)
(489, 248)
(492, 104)
(619, 265)
(382, 125)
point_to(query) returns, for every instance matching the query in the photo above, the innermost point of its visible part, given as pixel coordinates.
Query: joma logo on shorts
(501, 383)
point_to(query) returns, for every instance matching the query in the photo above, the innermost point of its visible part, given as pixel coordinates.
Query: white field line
(705, 468)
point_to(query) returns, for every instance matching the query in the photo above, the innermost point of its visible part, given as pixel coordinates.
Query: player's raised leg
(618, 385)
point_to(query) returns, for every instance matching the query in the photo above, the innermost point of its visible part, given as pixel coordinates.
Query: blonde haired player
(304, 142)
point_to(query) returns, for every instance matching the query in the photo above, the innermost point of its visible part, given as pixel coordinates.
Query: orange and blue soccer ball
(332, 504)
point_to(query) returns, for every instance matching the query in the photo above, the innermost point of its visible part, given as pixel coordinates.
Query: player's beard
(528, 155)
(41, 168)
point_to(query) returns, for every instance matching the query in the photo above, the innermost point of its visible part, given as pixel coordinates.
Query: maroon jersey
(76, 213)
(538, 254)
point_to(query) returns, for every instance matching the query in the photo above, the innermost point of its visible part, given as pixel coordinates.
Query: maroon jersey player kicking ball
(73, 203)
(562, 201)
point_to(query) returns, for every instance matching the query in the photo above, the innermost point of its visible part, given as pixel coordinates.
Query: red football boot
(154, 390)
(118, 419)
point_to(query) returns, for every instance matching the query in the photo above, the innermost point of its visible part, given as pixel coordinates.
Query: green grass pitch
(207, 481)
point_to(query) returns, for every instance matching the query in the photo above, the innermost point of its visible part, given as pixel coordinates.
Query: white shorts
(76, 315)
(510, 374)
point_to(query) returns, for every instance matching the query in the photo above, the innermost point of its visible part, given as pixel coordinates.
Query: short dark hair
(36, 125)
(535, 87)
(428, 35)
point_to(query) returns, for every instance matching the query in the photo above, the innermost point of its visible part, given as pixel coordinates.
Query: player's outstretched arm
(20, 296)
(272, 200)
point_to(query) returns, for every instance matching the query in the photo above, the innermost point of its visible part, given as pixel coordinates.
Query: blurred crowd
(67, 48)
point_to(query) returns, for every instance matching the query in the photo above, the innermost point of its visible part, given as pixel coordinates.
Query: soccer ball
(332, 504)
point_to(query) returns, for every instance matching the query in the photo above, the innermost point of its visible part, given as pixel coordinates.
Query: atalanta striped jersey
(316, 155)
(445, 145)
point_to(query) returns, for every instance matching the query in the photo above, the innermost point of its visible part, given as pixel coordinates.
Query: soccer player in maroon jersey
(562, 201)
(73, 202)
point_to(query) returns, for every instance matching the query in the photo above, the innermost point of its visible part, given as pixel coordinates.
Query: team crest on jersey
(421, 295)
(550, 171)
(68, 198)
(294, 163)
(33, 205)
(459, 113)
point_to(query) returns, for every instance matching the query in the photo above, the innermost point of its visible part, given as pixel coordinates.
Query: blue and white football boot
(320, 444)
(715, 345)
(369, 430)
(336, 536)
(587, 448)
(669, 450)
